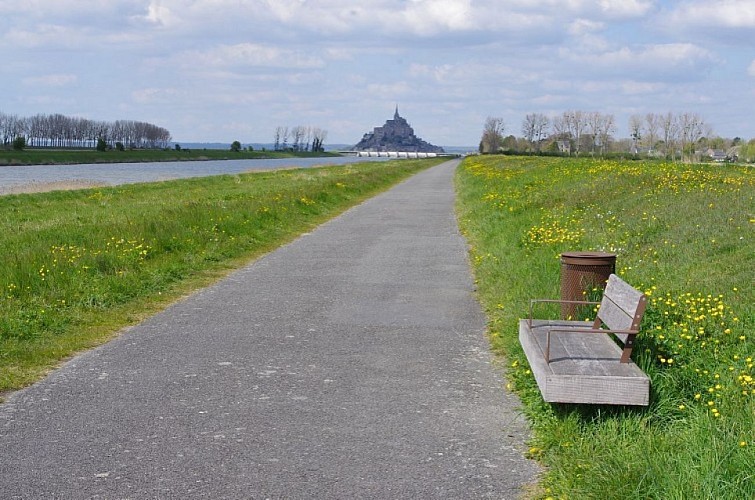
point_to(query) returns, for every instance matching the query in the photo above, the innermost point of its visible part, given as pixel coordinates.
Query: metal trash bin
(581, 272)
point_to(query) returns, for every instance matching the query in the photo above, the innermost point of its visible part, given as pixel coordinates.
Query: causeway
(350, 363)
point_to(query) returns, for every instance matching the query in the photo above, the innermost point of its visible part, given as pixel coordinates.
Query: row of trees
(299, 138)
(671, 135)
(582, 130)
(59, 131)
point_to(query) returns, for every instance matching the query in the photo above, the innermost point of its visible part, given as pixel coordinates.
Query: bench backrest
(622, 308)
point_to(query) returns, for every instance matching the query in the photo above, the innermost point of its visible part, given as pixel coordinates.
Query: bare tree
(318, 139)
(593, 123)
(492, 135)
(307, 138)
(560, 127)
(528, 128)
(542, 122)
(652, 124)
(297, 134)
(534, 128)
(576, 123)
(303, 138)
(35, 130)
(635, 129)
(573, 125)
(692, 128)
(606, 129)
(601, 129)
(669, 130)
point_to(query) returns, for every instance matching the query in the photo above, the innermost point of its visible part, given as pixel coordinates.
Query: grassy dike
(65, 157)
(81, 265)
(683, 234)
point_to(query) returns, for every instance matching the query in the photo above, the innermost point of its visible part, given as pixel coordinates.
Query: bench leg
(628, 346)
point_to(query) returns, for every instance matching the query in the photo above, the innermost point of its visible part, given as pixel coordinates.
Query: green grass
(63, 156)
(684, 235)
(80, 265)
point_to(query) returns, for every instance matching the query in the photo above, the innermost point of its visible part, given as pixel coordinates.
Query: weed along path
(351, 363)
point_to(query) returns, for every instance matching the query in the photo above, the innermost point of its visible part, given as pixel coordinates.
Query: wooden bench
(582, 361)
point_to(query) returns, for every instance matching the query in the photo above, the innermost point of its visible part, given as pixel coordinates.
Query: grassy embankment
(63, 156)
(81, 265)
(683, 234)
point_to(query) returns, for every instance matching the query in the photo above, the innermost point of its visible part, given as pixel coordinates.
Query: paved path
(351, 363)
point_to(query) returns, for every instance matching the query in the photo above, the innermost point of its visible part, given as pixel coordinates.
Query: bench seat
(583, 368)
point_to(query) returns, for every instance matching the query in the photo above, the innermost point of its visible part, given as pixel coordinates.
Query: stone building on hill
(396, 135)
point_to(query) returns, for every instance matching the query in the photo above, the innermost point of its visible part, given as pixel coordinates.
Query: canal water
(16, 178)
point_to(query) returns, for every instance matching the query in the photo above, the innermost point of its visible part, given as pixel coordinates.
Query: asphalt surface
(351, 363)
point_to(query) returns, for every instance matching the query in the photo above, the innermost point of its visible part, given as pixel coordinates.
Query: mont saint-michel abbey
(396, 135)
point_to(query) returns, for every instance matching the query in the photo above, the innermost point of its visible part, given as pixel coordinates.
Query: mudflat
(44, 187)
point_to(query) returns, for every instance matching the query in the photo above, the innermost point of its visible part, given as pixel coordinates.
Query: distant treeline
(299, 138)
(59, 131)
(684, 136)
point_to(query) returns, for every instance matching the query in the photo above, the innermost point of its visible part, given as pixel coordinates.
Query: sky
(225, 70)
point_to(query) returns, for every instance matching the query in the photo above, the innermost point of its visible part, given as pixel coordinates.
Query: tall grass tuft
(80, 265)
(684, 235)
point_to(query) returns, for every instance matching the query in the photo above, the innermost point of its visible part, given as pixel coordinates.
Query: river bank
(15, 179)
(81, 156)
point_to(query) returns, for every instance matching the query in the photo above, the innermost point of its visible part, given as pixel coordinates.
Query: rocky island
(396, 135)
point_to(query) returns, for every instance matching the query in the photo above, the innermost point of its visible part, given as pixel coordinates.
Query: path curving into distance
(351, 363)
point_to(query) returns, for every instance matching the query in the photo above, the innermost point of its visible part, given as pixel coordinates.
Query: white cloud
(45, 35)
(552, 100)
(580, 27)
(154, 95)
(389, 91)
(251, 55)
(421, 17)
(432, 16)
(67, 9)
(751, 69)
(48, 100)
(673, 54)
(159, 14)
(334, 19)
(641, 88)
(340, 53)
(678, 60)
(53, 80)
(625, 8)
(715, 13)
(439, 74)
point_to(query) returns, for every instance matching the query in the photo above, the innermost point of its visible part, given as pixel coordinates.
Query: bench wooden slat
(580, 354)
(613, 316)
(620, 305)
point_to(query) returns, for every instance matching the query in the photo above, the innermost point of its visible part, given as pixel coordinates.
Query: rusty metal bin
(581, 272)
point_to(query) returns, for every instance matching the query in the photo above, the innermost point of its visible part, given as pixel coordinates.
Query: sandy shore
(43, 187)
